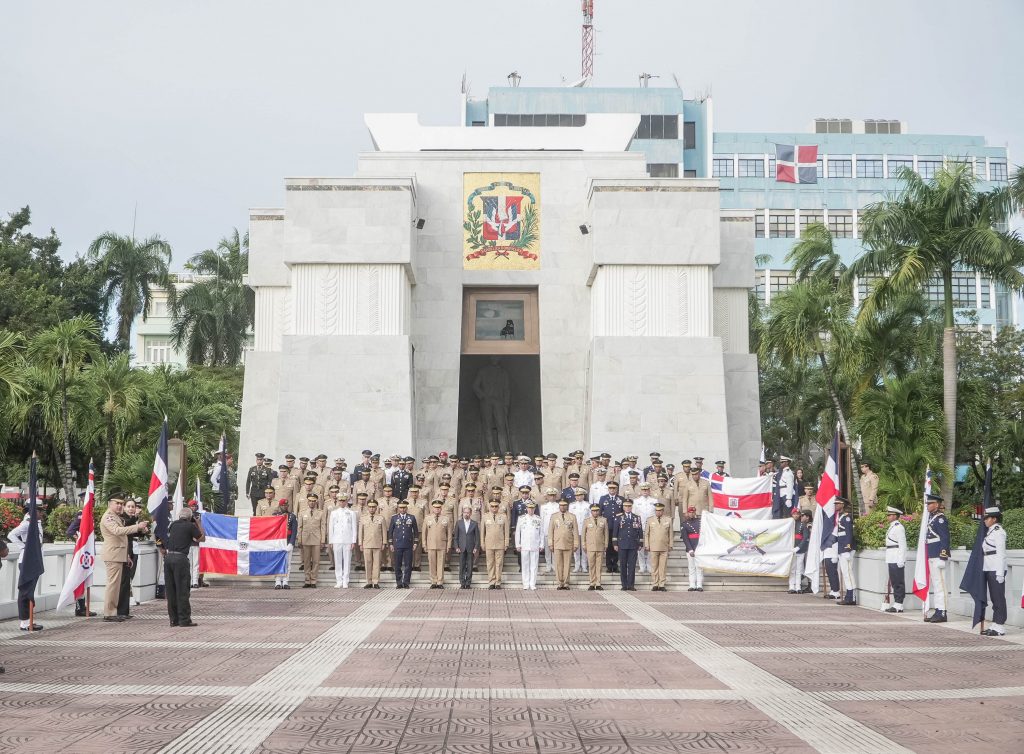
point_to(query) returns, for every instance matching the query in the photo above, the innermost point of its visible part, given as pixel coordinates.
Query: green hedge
(869, 531)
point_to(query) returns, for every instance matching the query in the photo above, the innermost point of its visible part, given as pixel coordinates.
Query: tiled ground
(597, 673)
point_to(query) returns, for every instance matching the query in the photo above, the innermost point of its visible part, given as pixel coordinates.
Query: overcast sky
(196, 111)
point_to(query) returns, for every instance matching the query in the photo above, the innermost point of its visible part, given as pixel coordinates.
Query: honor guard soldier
(529, 538)
(312, 536)
(256, 481)
(281, 580)
(994, 549)
(611, 508)
(595, 541)
(372, 536)
(801, 540)
(896, 558)
(437, 537)
(844, 539)
(628, 540)
(690, 533)
(403, 532)
(658, 541)
(937, 542)
(494, 535)
(563, 534)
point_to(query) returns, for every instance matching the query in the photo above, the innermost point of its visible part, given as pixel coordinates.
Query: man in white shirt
(581, 509)
(547, 510)
(342, 533)
(896, 558)
(628, 465)
(529, 538)
(643, 506)
(599, 489)
(19, 536)
(523, 474)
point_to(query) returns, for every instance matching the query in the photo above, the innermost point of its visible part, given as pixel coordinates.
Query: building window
(963, 162)
(869, 168)
(896, 164)
(759, 284)
(158, 307)
(751, 168)
(840, 224)
(689, 174)
(864, 285)
(812, 217)
(986, 290)
(821, 167)
(964, 290)
(539, 120)
(839, 167)
(158, 350)
(771, 167)
(663, 169)
(721, 167)
(689, 134)
(658, 127)
(782, 226)
(928, 167)
(478, 123)
(979, 169)
(781, 281)
(759, 224)
(997, 171)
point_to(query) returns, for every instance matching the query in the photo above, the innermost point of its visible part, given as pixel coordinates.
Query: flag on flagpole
(922, 575)
(158, 497)
(199, 497)
(796, 164)
(83, 562)
(32, 556)
(823, 523)
(179, 498)
(973, 581)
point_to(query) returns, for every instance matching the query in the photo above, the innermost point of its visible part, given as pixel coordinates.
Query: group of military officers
(585, 516)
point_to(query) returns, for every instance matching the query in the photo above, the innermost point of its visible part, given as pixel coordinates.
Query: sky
(175, 118)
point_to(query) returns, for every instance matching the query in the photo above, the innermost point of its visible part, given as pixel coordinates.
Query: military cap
(719, 463)
(698, 458)
(807, 513)
(525, 488)
(893, 511)
(577, 452)
(304, 459)
(261, 455)
(595, 507)
(659, 505)
(420, 476)
(530, 504)
(492, 502)
(343, 496)
(361, 494)
(685, 462)
(387, 487)
(605, 455)
(613, 483)
(364, 471)
(931, 498)
(993, 511)
(373, 504)
(841, 500)
(312, 496)
(784, 459)
(403, 503)
(375, 457)
(600, 470)
(550, 491)
(627, 501)
(645, 486)
(509, 474)
(268, 489)
(574, 474)
(691, 509)
(367, 453)
(579, 491)
(437, 504)
(633, 472)
(309, 475)
(282, 466)
(333, 487)
(470, 486)
(443, 454)
(654, 454)
(656, 461)
(289, 457)
(433, 458)
(268, 459)
(538, 475)
(663, 476)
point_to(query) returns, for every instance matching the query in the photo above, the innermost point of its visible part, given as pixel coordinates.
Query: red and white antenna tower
(588, 38)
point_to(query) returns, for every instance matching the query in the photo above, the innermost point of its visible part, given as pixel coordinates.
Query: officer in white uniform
(896, 558)
(643, 506)
(994, 566)
(787, 486)
(598, 489)
(547, 509)
(342, 533)
(580, 508)
(529, 540)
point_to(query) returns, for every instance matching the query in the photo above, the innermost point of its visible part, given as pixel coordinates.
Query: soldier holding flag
(30, 534)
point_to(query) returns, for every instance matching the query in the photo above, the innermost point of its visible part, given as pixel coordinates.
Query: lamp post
(177, 459)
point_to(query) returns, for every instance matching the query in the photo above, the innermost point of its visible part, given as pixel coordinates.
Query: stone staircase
(676, 576)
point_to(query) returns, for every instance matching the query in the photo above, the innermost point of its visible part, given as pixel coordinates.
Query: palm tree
(63, 350)
(806, 323)
(815, 255)
(12, 378)
(212, 317)
(131, 270)
(117, 391)
(926, 232)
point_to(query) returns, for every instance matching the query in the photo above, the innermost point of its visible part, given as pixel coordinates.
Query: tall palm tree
(131, 270)
(815, 255)
(117, 391)
(213, 316)
(64, 349)
(813, 321)
(926, 232)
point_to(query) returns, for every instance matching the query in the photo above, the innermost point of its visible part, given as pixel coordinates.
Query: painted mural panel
(501, 221)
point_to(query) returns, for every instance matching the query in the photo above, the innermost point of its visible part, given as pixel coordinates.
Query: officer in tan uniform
(387, 506)
(869, 487)
(309, 487)
(311, 537)
(365, 484)
(595, 542)
(632, 490)
(284, 486)
(418, 510)
(116, 557)
(494, 535)
(372, 536)
(699, 495)
(436, 540)
(658, 542)
(268, 504)
(564, 536)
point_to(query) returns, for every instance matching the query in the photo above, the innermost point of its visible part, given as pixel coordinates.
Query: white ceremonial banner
(754, 547)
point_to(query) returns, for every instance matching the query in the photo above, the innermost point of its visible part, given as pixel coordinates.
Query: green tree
(131, 269)
(213, 316)
(925, 233)
(63, 350)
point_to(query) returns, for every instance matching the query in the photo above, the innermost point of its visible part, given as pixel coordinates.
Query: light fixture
(420, 222)
(585, 229)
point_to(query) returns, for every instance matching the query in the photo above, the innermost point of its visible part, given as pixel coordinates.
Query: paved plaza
(507, 671)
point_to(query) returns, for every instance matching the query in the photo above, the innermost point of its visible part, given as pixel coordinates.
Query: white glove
(902, 565)
(942, 564)
(795, 549)
(1000, 579)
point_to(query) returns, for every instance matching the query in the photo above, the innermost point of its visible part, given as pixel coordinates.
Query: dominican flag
(83, 562)
(922, 574)
(256, 546)
(823, 525)
(973, 581)
(32, 555)
(158, 502)
(742, 497)
(223, 481)
(795, 164)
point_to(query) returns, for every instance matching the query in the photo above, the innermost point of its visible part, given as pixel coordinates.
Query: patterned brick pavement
(507, 671)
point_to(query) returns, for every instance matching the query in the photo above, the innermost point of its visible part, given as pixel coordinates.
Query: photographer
(181, 535)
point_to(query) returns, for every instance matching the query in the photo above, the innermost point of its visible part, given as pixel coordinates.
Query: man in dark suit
(467, 545)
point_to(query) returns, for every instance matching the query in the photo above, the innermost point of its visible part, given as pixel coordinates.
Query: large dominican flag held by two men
(742, 497)
(794, 164)
(256, 546)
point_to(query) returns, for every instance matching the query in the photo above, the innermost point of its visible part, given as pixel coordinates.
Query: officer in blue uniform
(401, 480)
(403, 533)
(627, 539)
(937, 542)
(569, 493)
(844, 538)
(611, 508)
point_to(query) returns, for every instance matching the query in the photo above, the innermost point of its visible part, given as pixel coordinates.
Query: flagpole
(34, 502)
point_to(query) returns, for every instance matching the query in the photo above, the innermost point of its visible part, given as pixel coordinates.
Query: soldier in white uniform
(529, 539)
(580, 508)
(598, 489)
(547, 509)
(994, 566)
(896, 558)
(342, 533)
(643, 506)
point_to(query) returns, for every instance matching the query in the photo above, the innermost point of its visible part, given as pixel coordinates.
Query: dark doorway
(522, 416)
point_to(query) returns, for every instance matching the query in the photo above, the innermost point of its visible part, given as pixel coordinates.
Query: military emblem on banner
(501, 221)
